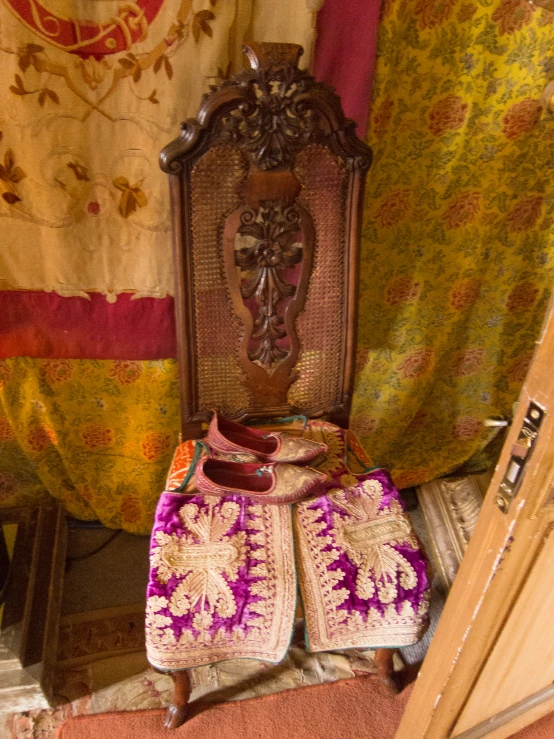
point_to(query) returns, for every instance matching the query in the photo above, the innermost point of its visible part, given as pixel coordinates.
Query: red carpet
(358, 708)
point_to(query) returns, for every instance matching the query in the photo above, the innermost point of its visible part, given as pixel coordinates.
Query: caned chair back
(267, 188)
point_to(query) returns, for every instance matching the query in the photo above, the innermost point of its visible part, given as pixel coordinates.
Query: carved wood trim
(355, 202)
(507, 717)
(31, 614)
(450, 508)
(269, 383)
(184, 309)
(316, 105)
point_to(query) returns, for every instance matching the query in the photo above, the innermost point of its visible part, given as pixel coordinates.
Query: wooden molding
(31, 615)
(450, 508)
(503, 724)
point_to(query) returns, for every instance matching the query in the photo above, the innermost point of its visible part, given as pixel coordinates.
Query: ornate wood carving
(268, 282)
(270, 125)
(271, 110)
(450, 508)
(270, 113)
(274, 228)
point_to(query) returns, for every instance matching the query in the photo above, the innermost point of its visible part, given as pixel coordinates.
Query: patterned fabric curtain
(90, 93)
(457, 247)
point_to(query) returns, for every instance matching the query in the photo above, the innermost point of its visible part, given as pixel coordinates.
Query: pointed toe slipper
(229, 439)
(264, 483)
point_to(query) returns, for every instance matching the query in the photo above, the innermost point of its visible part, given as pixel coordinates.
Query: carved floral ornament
(272, 111)
(284, 109)
(273, 233)
(273, 124)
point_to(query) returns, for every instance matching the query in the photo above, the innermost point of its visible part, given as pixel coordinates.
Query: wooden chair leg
(385, 669)
(177, 711)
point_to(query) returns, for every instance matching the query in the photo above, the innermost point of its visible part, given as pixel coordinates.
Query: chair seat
(225, 571)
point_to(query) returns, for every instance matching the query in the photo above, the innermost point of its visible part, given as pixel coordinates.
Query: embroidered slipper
(229, 439)
(270, 483)
(265, 483)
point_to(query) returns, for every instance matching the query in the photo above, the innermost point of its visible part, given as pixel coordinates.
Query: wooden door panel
(522, 661)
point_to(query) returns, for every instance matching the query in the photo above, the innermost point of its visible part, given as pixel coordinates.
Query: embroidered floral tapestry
(90, 93)
(457, 260)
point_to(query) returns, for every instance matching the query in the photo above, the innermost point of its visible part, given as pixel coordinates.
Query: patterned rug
(102, 667)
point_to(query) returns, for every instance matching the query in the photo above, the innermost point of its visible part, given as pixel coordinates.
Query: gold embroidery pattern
(333, 437)
(293, 483)
(236, 457)
(334, 458)
(208, 555)
(294, 449)
(321, 432)
(367, 536)
(203, 555)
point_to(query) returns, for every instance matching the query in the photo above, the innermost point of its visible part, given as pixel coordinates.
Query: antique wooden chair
(266, 189)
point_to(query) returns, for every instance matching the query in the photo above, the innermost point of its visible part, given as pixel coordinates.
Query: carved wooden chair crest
(267, 188)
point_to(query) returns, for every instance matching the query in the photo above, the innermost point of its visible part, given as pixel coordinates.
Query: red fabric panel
(40, 324)
(345, 53)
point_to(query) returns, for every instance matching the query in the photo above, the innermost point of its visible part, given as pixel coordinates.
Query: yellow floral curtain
(98, 435)
(458, 251)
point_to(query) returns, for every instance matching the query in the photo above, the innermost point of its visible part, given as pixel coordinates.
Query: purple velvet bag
(361, 572)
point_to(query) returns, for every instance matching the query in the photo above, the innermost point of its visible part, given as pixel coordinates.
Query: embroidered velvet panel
(223, 581)
(361, 573)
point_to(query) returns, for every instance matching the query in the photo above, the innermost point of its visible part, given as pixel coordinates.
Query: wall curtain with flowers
(458, 247)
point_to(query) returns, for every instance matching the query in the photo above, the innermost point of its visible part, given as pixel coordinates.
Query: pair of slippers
(266, 467)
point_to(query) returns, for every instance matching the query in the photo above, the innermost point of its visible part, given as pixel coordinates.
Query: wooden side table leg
(177, 711)
(385, 668)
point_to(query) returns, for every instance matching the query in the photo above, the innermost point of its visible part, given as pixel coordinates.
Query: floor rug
(97, 674)
(358, 707)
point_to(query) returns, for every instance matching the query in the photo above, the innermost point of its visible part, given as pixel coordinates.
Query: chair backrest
(267, 188)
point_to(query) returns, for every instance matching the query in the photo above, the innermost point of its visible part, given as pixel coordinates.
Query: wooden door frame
(499, 557)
